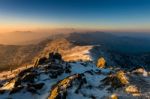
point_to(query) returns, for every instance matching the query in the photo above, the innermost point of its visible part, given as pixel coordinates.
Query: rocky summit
(54, 78)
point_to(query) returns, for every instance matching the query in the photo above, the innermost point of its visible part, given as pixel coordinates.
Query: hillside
(112, 41)
(12, 56)
(63, 69)
(54, 78)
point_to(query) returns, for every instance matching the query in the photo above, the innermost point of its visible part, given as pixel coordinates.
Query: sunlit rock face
(140, 71)
(132, 90)
(113, 96)
(122, 77)
(59, 90)
(101, 62)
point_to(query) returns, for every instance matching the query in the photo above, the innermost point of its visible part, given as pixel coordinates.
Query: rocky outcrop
(54, 78)
(139, 71)
(113, 96)
(101, 62)
(115, 81)
(122, 77)
(53, 56)
(132, 90)
(59, 91)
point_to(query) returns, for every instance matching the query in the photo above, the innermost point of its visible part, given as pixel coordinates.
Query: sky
(111, 15)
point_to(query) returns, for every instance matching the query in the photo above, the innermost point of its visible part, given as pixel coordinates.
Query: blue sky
(98, 14)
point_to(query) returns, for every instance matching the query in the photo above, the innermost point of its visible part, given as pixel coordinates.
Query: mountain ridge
(54, 78)
(13, 56)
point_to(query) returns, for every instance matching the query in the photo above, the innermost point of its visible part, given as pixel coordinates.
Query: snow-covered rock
(56, 78)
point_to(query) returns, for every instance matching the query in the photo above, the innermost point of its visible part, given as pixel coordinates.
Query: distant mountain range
(117, 43)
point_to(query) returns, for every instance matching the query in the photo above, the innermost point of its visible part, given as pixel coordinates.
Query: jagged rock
(82, 80)
(9, 85)
(54, 73)
(122, 77)
(57, 56)
(86, 85)
(23, 76)
(33, 88)
(132, 90)
(16, 89)
(53, 56)
(140, 70)
(116, 80)
(67, 69)
(42, 60)
(53, 67)
(22, 73)
(113, 96)
(17, 82)
(113, 81)
(54, 70)
(101, 62)
(59, 90)
(29, 77)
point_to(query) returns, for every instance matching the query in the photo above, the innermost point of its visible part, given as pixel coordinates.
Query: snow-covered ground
(76, 68)
(10, 74)
(57, 77)
(78, 53)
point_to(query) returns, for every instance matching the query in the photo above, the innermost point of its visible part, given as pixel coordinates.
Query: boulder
(59, 90)
(139, 71)
(23, 72)
(115, 80)
(40, 61)
(9, 85)
(114, 96)
(55, 56)
(122, 77)
(132, 90)
(29, 77)
(101, 62)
